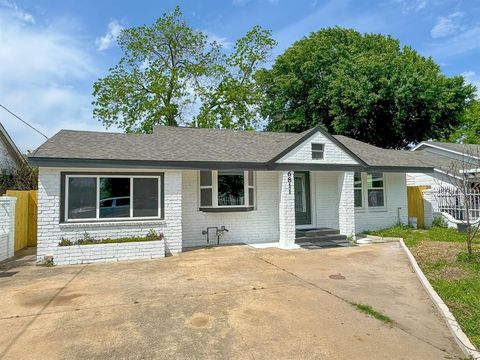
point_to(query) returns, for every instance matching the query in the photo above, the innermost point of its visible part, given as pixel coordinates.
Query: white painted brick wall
(303, 153)
(50, 231)
(395, 197)
(7, 227)
(326, 198)
(84, 254)
(286, 190)
(346, 206)
(260, 225)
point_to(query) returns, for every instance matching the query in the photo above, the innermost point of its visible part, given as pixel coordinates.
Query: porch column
(286, 209)
(346, 204)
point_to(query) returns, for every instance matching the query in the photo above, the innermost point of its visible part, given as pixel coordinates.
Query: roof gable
(8, 146)
(334, 151)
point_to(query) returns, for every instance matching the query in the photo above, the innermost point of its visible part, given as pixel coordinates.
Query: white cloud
(473, 78)
(447, 25)
(107, 41)
(43, 72)
(221, 40)
(245, 2)
(17, 12)
(460, 43)
(411, 5)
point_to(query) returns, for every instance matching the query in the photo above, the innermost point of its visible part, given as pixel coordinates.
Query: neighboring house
(261, 186)
(447, 159)
(453, 166)
(10, 156)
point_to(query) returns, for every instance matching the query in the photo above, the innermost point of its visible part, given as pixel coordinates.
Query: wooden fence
(415, 204)
(25, 218)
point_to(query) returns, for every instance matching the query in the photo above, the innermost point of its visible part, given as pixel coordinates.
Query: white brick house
(191, 184)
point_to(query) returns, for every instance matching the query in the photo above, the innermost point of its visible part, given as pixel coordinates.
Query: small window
(82, 198)
(231, 188)
(145, 197)
(206, 188)
(375, 190)
(358, 190)
(226, 188)
(251, 189)
(318, 151)
(114, 197)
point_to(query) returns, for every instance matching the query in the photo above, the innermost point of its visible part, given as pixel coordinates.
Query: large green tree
(172, 74)
(362, 85)
(468, 131)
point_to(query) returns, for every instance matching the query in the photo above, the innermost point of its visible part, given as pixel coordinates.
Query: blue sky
(51, 52)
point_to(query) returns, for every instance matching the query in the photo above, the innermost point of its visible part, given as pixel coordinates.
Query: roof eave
(212, 165)
(142, 164)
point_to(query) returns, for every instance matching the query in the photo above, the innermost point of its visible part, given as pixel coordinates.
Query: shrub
(65, 242)
(152, 235)
(439, 222)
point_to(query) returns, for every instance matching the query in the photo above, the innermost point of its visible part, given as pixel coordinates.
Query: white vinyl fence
(453, 202)
(7, 226)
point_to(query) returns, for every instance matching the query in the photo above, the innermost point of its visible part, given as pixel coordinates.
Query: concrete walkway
(228, 302)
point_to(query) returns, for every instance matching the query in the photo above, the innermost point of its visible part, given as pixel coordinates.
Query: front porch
(321, 238)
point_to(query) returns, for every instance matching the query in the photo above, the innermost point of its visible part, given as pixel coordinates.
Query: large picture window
(227, 189)
(106, 197)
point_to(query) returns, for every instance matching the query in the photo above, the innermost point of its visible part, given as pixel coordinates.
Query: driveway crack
(394, 324)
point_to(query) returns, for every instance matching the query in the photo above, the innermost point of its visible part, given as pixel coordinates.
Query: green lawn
(441, 253)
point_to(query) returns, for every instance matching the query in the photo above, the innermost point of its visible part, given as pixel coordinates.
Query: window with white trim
(227, 189)
(375, 190)
(358, 190)
(318, 151)
(112, 197)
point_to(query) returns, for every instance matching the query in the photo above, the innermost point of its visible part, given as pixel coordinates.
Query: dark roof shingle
(176, 144)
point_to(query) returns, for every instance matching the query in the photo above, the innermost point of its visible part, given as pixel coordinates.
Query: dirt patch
(199, 321)
(437, 250)
(64, 299)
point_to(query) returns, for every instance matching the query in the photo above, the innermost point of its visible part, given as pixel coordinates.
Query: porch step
(322, 232)
(335, 238)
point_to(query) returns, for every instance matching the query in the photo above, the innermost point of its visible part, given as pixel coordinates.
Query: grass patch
(367, 309)
(453, 273)
(413, 237)
(89, 240)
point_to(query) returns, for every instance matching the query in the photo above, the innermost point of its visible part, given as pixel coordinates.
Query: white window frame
(361, 188)
(214, 188)
(376, 188)
(97, 217)
(317, 151)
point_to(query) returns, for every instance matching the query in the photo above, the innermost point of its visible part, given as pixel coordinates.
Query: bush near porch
(454, 274)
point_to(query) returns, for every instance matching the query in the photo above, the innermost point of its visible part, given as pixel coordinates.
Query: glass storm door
(302, 198)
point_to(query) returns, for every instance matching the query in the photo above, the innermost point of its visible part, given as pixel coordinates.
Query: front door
(303, 214)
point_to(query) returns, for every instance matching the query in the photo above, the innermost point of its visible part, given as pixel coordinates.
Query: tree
(468, 131)
(233, 101)
(363, 86)
(20, 176)
(169, 69)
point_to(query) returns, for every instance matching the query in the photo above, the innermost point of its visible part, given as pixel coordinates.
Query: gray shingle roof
(375, 156)
(175, 144)
(472, 149)
(169, 144)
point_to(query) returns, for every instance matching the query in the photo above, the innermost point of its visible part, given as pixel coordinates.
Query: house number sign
(289, 182)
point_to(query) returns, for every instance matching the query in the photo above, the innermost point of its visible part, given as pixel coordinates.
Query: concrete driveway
(228, 302)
